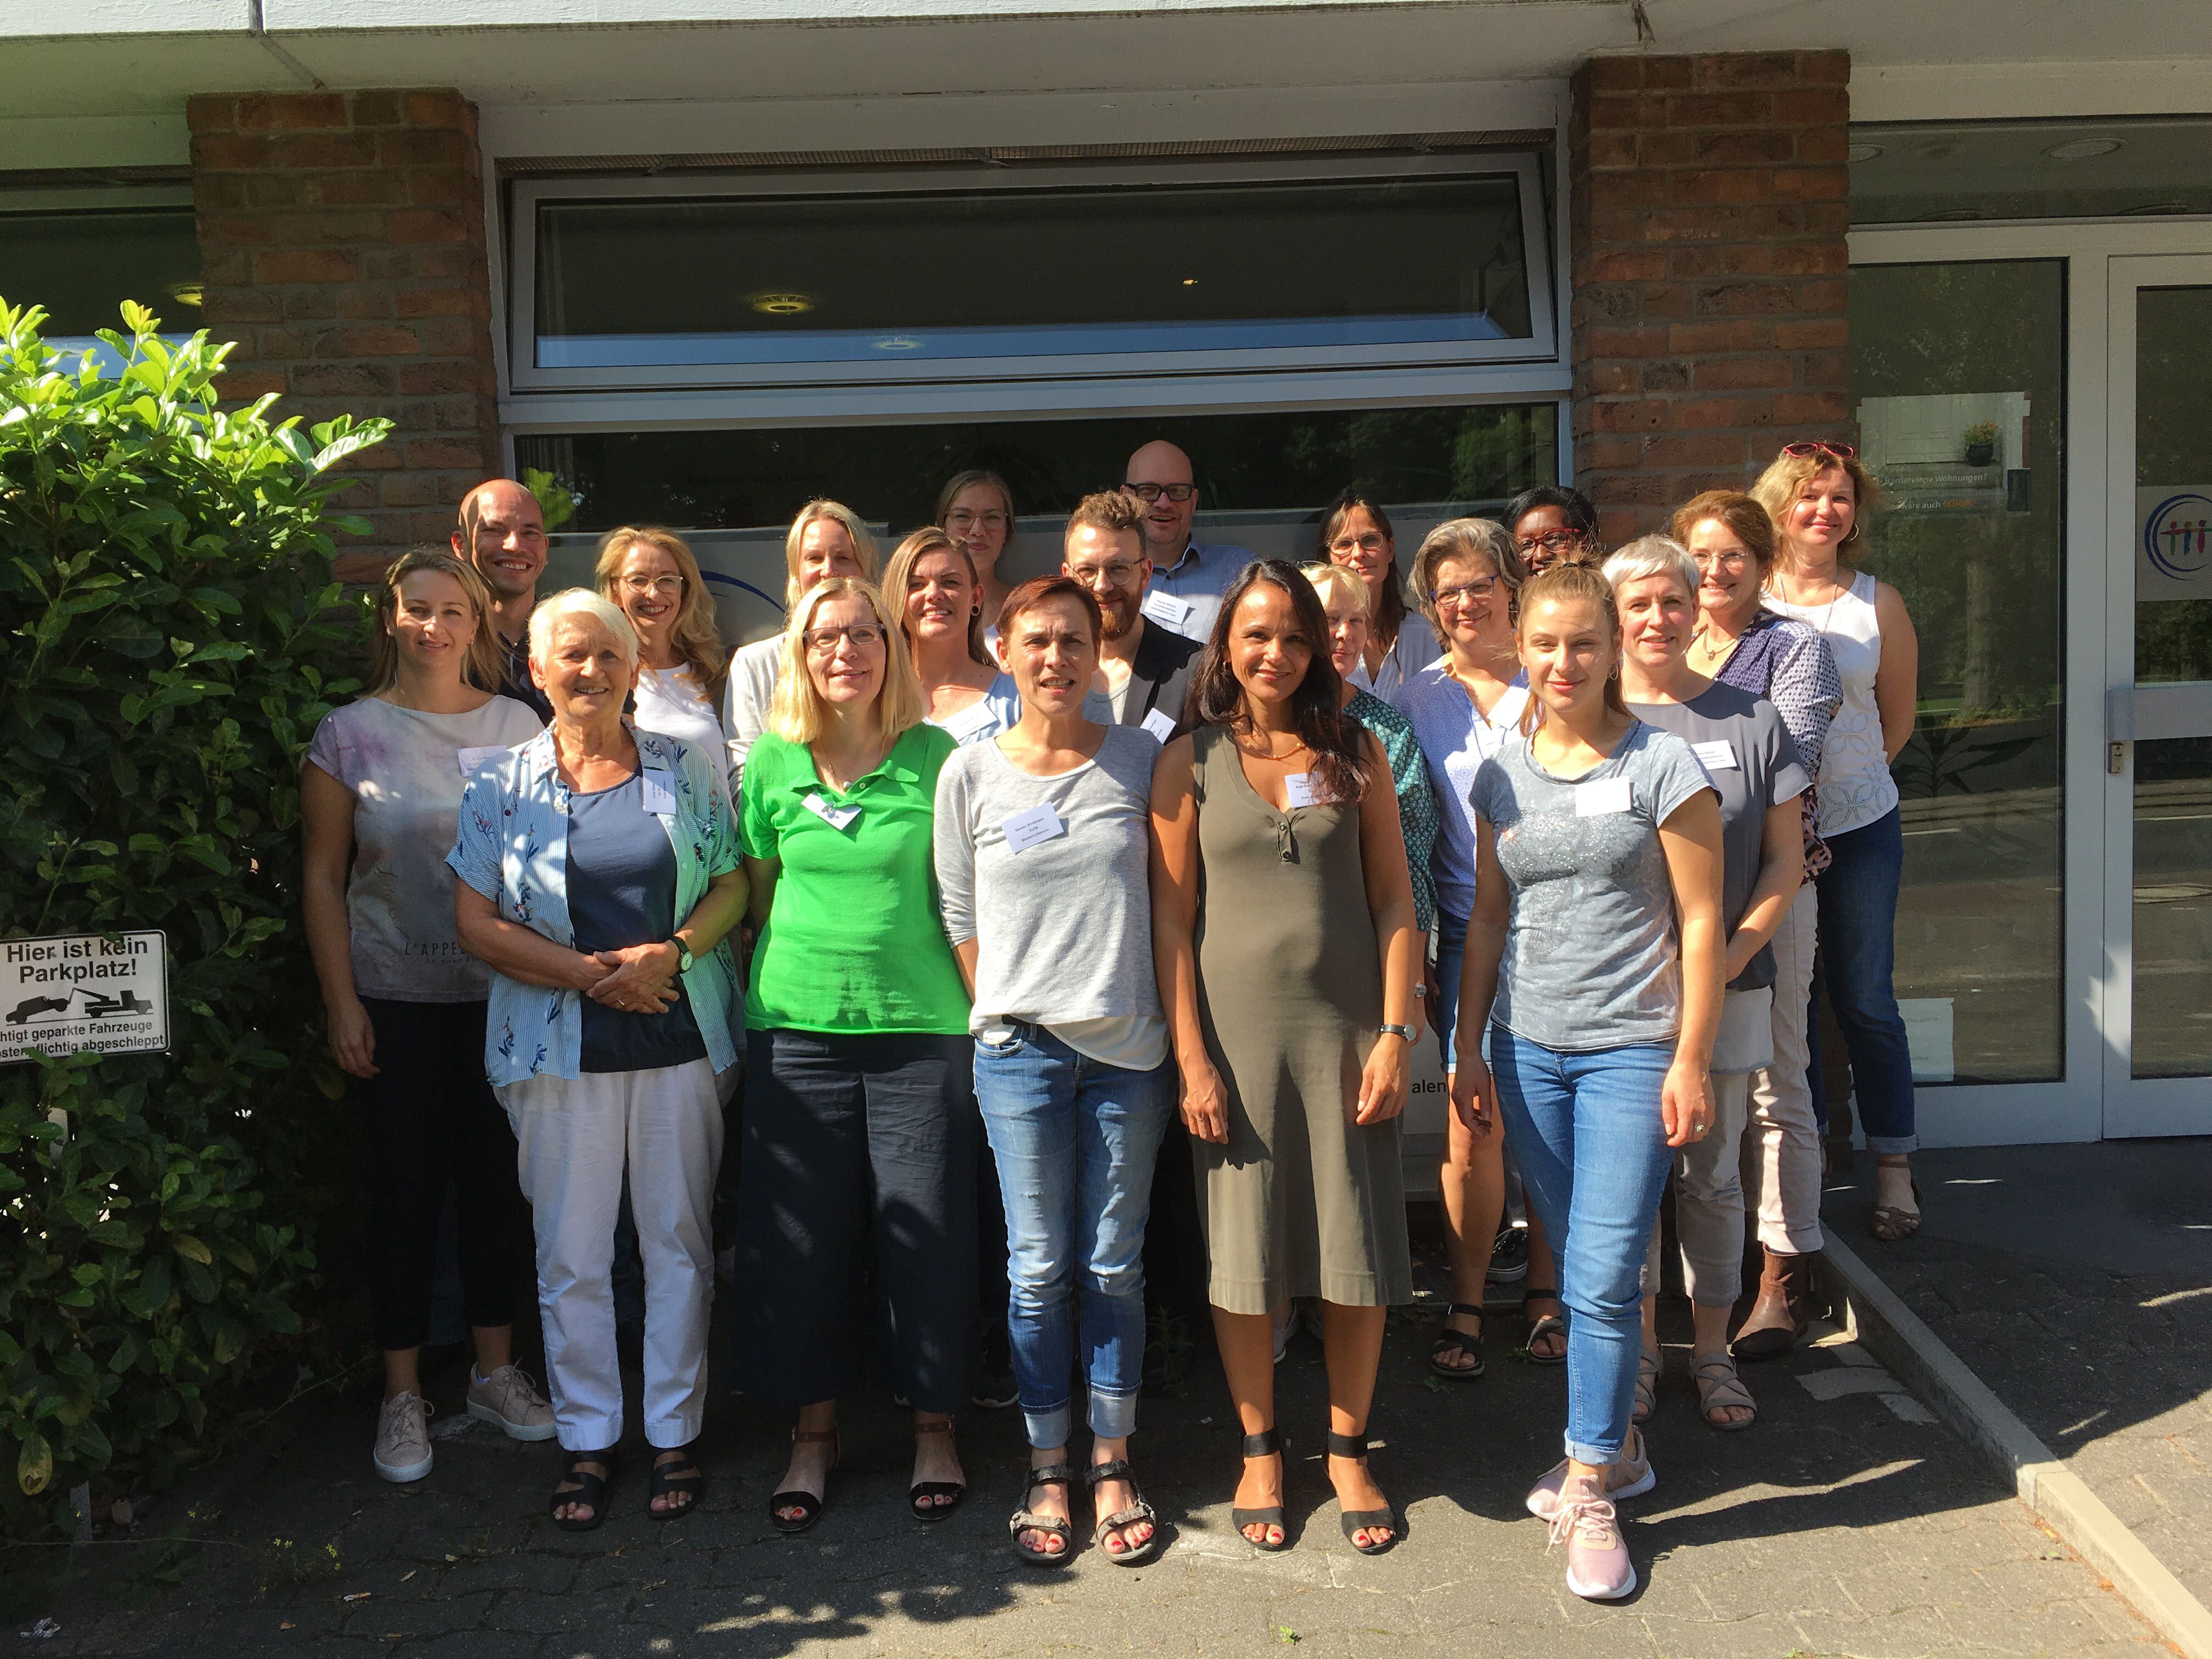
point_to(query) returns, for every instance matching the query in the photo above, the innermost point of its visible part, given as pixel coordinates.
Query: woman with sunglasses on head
(1553, 524)
(1594, 956)
(1741, 642)
(860, 1127)
(976, 509)
(652, 576)
(1818, 495)
(1356, 535)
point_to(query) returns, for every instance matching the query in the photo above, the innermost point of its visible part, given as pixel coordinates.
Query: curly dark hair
(1216, 699)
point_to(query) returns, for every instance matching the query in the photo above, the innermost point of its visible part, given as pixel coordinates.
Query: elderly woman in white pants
(598, 875)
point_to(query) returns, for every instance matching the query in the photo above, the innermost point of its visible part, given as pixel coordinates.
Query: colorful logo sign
(2177, 536)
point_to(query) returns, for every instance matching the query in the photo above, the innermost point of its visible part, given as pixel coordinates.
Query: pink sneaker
(1632, 1477)
(1598, 1567)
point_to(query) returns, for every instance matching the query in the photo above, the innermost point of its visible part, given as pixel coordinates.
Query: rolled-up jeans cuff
(1112, 1416)
(1595, 1456)
(1046, 1428)
(1893, 1144)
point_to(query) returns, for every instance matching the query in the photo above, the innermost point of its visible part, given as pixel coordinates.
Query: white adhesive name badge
(1602, 799)
(1718, 756)
(470, 759)
(1304, 789)
(836, 817)
(1159, 724)
(1027, 827)
(1165, 609)
(659, 796)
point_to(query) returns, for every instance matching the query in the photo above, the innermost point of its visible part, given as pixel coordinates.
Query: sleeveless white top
(1855, 787)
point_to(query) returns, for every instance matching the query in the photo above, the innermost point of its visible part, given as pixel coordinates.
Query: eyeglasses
(1177, 493)
(1113, 575)
(961, 520)
(821, 640)
(1551, 541)
(1371, 545)
(1481, 587)
(1805, 450)
(659, 586)
(1734, 559)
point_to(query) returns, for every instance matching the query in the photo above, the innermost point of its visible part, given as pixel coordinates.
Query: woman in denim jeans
(1595, 943)
(1043, 855)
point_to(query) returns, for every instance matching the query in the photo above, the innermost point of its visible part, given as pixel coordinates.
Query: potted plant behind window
(1981, 443)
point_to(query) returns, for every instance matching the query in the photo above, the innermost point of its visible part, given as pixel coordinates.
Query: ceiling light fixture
(781, 304)
(1863, 152)
(2081, 150)
(899, 343)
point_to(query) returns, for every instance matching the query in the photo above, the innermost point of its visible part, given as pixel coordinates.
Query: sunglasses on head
(1801, 451)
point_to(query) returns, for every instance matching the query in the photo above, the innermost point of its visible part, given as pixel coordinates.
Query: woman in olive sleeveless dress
(1283, 930)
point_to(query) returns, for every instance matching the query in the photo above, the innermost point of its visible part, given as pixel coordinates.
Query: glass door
(2159, 717)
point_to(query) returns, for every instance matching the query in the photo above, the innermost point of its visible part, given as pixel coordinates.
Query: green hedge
(167, 619)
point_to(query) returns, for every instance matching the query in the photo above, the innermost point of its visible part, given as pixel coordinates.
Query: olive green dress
(1301, 1202)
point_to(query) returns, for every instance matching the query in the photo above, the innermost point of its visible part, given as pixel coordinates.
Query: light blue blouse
(513, 848)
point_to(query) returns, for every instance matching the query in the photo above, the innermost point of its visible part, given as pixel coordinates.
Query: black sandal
(954, 1490)
(808, 1506)
(1450, 1342)
(1266, 1443)
(1026, 1519)
(1546, 1325)
(1354, 1446)
(1131, 1555)
(582, 1488)
(678, 1478)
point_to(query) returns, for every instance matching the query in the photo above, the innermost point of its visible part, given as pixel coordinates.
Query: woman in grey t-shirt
(1746, 751)
(1593, 835)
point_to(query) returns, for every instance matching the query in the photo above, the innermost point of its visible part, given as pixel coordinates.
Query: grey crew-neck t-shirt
(1747, 753)
(1591, 959)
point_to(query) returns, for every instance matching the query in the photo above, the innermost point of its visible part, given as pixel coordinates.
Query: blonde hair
(796, 714)
(1465, 538)
(898, 580)
(864, 545)
(580, 602)
(1652, 555)
(482, 664)
(1571, 582)
(694, 639)
(1785, 475)
(1327, 576)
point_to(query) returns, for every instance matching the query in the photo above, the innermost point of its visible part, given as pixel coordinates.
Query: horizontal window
(83, 264)
(1925, 172)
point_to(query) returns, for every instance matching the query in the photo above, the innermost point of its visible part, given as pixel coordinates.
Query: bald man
(1188, 576)
(502, 534)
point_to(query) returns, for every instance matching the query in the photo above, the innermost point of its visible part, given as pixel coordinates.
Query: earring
(1853, 537)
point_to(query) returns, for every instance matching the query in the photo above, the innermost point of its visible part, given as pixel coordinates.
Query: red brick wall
(343, 240)
(1708, 203)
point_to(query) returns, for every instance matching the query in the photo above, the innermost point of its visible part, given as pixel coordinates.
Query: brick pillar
(343, 240)
(1709, 202)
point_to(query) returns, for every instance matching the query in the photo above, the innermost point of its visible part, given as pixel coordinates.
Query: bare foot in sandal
(1726, 1403)
(1548, 1327)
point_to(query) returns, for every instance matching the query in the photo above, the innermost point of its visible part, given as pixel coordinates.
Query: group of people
(1033, 915)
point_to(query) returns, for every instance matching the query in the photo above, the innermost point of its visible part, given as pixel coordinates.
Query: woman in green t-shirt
(859, 1123)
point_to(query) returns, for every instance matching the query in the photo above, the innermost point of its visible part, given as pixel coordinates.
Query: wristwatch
(1404, 1031)
(684, 957)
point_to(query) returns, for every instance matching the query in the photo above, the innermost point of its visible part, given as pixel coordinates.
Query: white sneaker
(511, 1399)
(403, 1438)
(1598, 1567)
(1632, 1477)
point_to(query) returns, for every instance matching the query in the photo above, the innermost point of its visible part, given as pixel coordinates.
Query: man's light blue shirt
(1190, 589)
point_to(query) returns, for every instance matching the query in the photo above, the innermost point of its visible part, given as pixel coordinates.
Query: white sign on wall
(109, 994)
(2173, 543)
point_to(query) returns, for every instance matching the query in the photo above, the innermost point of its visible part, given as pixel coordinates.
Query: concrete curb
(1898, 1337)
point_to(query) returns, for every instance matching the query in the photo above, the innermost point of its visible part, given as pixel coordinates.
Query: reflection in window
(1956, 374)
(82, 266)
(1111, 268)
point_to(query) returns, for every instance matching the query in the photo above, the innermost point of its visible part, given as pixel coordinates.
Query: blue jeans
(1075, 1141)
(1585, 1130)
(1858, 895)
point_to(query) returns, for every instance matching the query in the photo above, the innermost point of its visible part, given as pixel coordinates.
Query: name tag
(836, 817)
(1027, 827)
(978, 717)
(1159, 724)
(1303, 789)
(1602, 799)
(659, 796)
(1166, 609)
(470, 759)
(1718, 756)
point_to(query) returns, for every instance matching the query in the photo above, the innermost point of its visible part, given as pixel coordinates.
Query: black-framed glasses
(860, 634)
(1177, 493)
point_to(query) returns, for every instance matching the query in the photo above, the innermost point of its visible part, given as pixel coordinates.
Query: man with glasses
(1188, 576)
(502, 533)
(1144, 671)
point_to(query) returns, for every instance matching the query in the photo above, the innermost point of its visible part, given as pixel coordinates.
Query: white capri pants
(1709, 1194)
(1782, 1142)
(574, 1134)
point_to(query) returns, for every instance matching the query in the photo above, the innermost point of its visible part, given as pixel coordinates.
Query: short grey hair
(1652, 555)
(580, 602)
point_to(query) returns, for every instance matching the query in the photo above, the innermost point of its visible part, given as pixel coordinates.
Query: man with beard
(502, 534)
(1143, 671)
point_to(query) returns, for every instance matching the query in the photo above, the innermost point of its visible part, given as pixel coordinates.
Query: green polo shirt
(855, 940)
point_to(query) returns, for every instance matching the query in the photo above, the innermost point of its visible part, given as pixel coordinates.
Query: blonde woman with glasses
(861, 1130)
(976, 509)
(826, 539)
(651, 573)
